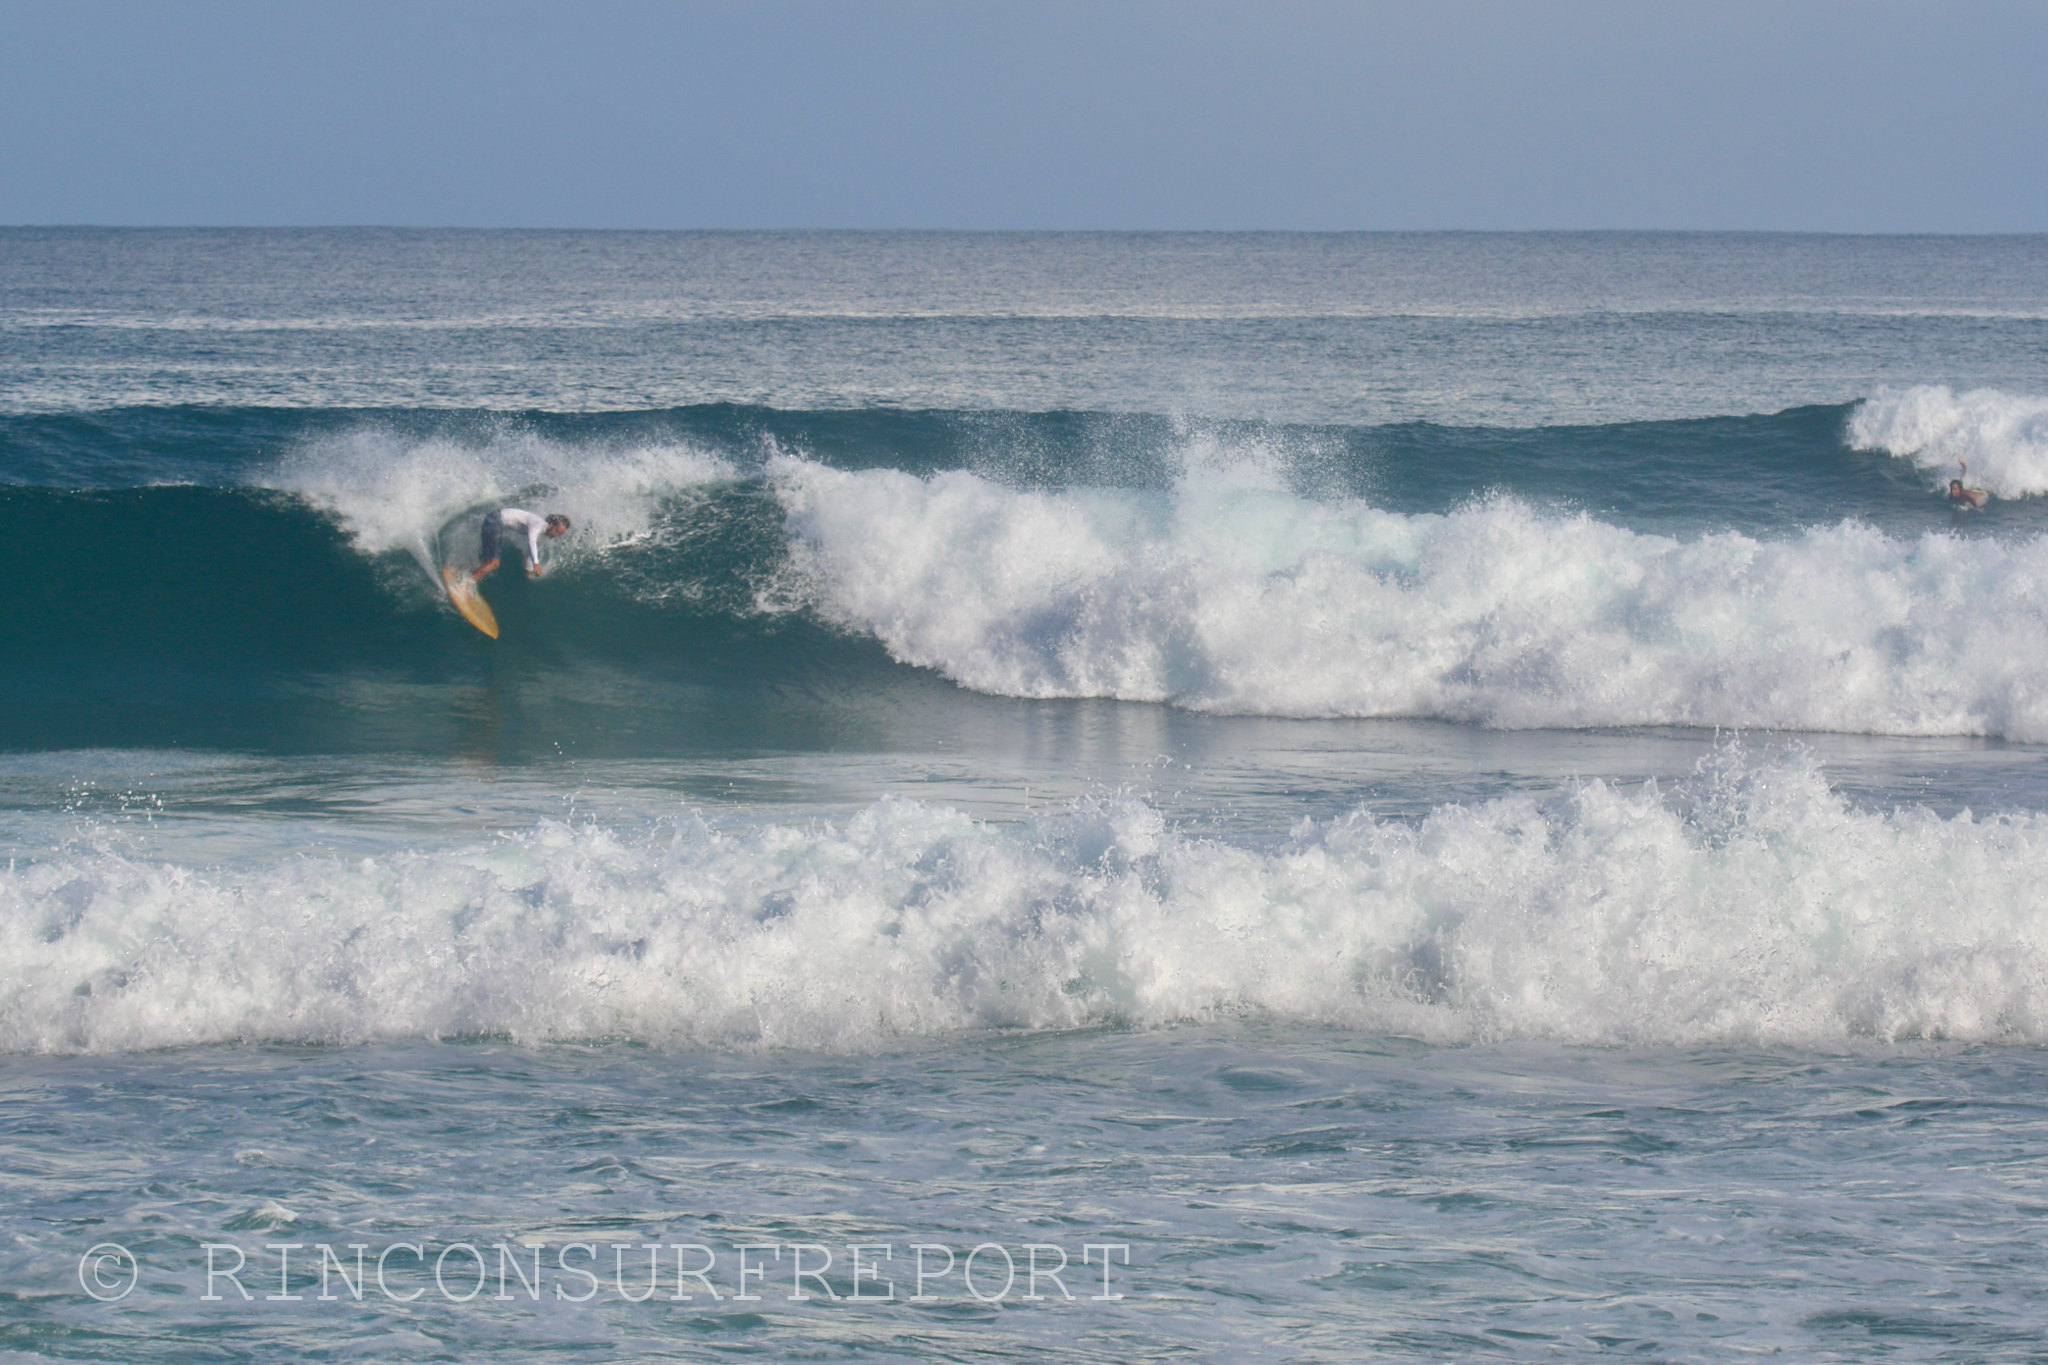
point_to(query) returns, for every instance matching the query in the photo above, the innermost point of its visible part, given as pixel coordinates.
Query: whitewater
(1749, 905)
(1444, 795)
(1232, 596)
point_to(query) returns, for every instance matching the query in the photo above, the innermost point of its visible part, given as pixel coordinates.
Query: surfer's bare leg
(484, 570)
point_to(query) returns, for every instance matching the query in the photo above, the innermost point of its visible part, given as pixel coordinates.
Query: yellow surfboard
(462, 592)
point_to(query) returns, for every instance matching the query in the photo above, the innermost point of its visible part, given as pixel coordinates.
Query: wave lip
(1749, 904)
(2002, 437)
(1232, 596)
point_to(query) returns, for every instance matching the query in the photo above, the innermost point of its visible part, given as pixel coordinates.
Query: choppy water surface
(1455, 796)
(1279, 1193)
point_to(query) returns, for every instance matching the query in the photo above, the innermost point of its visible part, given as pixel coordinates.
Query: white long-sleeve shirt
(532, 524)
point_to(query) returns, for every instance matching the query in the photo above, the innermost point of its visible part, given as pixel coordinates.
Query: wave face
(1748, 904)
(275, 586)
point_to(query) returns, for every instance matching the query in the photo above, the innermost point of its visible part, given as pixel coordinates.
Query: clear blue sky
(1878, 116)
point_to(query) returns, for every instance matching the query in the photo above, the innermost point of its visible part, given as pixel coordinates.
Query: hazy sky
(1797, 114)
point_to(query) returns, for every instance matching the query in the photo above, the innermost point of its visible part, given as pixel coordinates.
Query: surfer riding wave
(531, 525)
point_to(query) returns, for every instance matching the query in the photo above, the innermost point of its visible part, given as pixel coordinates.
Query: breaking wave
(1412, 572)
(1231, 594)
(2001, 438)
(1747, 904)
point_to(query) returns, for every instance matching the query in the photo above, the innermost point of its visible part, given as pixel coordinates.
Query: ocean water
(1068, 797)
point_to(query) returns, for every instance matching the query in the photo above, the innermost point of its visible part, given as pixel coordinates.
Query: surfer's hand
(533, 572)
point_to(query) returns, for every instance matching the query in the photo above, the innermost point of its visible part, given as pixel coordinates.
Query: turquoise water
(1439, 796)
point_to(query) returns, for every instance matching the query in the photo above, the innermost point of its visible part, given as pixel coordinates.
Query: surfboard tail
(465, 598)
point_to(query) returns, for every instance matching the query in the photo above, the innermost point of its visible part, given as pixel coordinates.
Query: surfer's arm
(533, 550)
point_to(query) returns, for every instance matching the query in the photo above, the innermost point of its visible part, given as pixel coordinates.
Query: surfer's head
(557, 524)
(1955, 490)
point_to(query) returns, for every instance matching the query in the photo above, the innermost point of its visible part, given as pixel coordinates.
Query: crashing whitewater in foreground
(1747, 905)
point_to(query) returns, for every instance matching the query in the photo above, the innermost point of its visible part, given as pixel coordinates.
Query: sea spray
(392, 490)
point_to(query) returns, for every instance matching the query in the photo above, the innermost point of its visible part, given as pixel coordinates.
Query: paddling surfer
(1966, 497)
(531, 525)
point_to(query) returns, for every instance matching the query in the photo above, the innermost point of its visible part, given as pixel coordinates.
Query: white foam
(2004, 437)
(393, 491)
(1748, 904)
(1231, 596)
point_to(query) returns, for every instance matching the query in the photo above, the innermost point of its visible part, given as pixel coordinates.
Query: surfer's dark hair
(557, 519)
